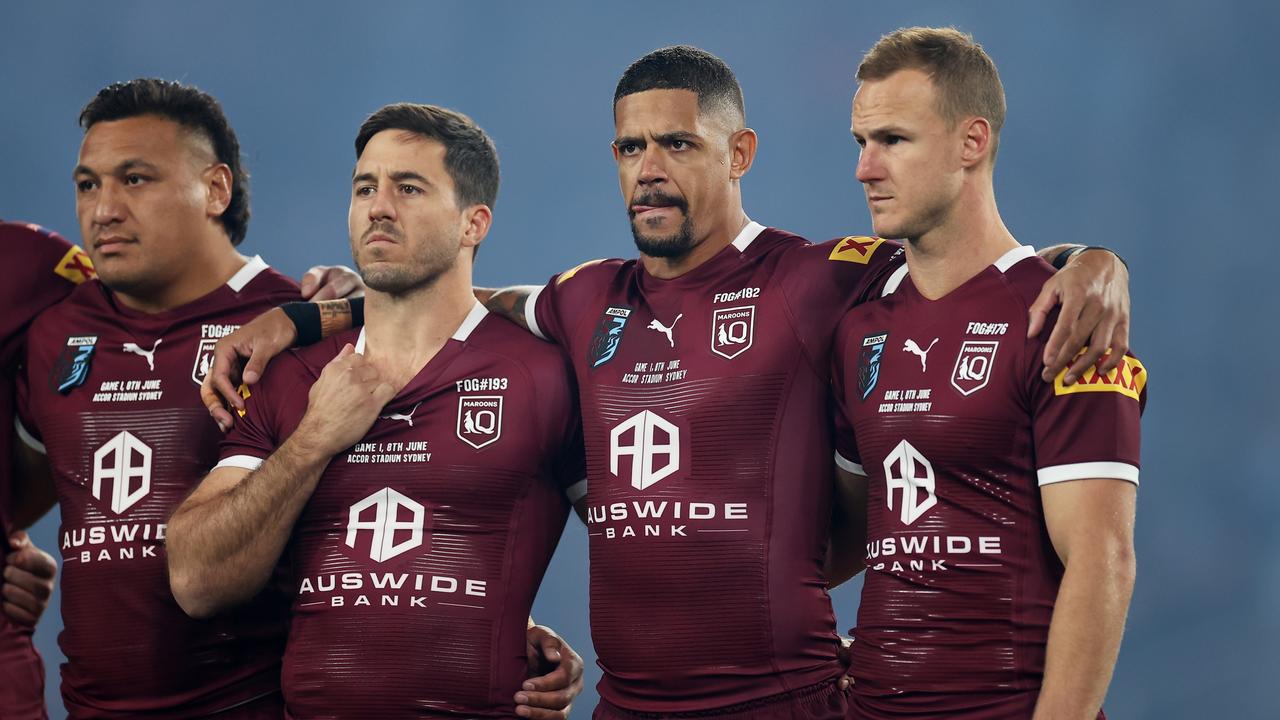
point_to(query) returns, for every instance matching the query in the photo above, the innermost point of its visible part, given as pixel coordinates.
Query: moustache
(657, 199)
(383, 227)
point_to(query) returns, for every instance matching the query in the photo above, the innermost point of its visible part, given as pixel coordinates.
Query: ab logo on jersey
(909, 474)
(857, 249)
(395, 522)
(732, 330)
(479, 419)
(122, 466)
(71, 368)
(973, 366)
(646, 438)
(869, 362)
(608, 335)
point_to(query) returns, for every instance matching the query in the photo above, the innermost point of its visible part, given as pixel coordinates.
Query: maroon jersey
(957, 433)
(40, 269)
(417, 557)
(112, 396)
(704, 402)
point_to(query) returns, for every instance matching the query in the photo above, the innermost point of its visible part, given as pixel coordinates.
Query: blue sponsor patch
(869, 362)
(608, 335)
(71, 368)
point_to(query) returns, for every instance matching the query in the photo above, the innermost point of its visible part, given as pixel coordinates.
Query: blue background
(1150, 127)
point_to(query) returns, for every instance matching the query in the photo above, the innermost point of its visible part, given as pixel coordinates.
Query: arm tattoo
(335, 316)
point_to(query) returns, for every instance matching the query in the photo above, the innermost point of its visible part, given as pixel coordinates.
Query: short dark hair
(194, 110)
(684, 67)
(470, 157)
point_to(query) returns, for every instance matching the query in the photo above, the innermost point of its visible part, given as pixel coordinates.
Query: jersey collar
(469, 324)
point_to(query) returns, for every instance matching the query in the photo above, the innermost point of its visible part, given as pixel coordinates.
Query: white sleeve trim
(27, 438)
(1087, 470)
(848, 465)
(577, 491)
(531, 313)
(244, 462)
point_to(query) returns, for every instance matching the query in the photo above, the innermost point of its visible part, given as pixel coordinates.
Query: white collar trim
(248, 272)
(748, 235)
(469, 324)
(1013, 257)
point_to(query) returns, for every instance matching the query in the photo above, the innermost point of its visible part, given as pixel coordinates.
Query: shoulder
(1025, 278)
(268, 283)
(84, 307)
(597, 273)
(510, 345)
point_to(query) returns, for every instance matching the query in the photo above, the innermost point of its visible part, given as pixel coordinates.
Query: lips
(111, 243)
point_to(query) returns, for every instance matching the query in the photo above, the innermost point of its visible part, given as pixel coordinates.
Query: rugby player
(416, 469)
(40, 269)
(703, 373)
(999, 508)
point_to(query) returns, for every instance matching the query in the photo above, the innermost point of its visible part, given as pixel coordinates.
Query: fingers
(1059, 350)
(330, 282)
(1119, 346)
(256, 365)
(25, 595)
(222, 374)
(311, 281)
(1039, 311)
(548, 705)
(18, 540)
(213, 403)
(33, 560)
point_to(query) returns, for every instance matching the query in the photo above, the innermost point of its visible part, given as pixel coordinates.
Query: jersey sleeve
(822, 281)
(844, 369)
(49, 268)
(24, 420)
(562, 423)
(255, 434)
(1091, 429)
(555, 309)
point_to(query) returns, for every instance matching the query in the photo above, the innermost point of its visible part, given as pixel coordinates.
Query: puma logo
(655, 325)
(407, 417)
(150, 355)
(914, 349)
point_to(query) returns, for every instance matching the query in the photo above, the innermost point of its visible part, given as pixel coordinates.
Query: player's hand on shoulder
(331, 282)
(555, 676)
(1093, 290)
(29, 574)
(343, 403)
(240, 357)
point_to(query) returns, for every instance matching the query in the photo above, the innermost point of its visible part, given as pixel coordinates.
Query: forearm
(1084, 636)
(222, 550)
(509, 302)
(33, 491)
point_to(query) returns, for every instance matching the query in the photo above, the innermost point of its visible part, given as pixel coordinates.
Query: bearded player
(40, 269)
(703, 377)
(416, 469)
(999, 508)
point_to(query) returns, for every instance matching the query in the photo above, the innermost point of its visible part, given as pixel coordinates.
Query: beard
(436, 258)
(673, 245)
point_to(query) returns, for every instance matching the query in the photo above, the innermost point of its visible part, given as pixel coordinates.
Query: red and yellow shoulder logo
(244, 393)
(1129, 378)
(75, 266)
(855, 248)
(574, 270)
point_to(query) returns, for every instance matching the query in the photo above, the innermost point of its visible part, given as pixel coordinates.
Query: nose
(869, 168)
(652, 167)
(381, 206)
(109, 206)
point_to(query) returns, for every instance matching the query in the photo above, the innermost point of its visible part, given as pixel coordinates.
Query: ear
(742, 152)
(476, 221)
(977, 142)
(217, 183)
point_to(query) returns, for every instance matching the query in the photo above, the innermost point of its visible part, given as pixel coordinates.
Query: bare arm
(846, 551)
(1093, 290)
(1090, 523)
(509, 302)
(224, 541)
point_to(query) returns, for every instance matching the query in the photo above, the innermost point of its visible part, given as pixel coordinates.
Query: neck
(403, 332)
(971, 237)
(208, 267)
(724, 230)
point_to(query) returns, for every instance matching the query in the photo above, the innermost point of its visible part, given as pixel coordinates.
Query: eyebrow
(662, 138)
(397, 176)
(123, 167)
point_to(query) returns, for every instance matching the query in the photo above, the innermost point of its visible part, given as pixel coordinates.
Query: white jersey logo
(479, 419)
(392, 513)
(973, 366)
(123, 464)
(732, 330)
(149, 355)
(407, 417)
(914, 349)
(204, 360)
(645, 448)
(909, 474)
(655, 325)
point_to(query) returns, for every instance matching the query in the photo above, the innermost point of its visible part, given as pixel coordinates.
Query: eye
(893, 139)
(862, 142)
(364, 191)
(679, 145)
(85, 186)
(134, 179)
(628, 148)
(410, 189)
